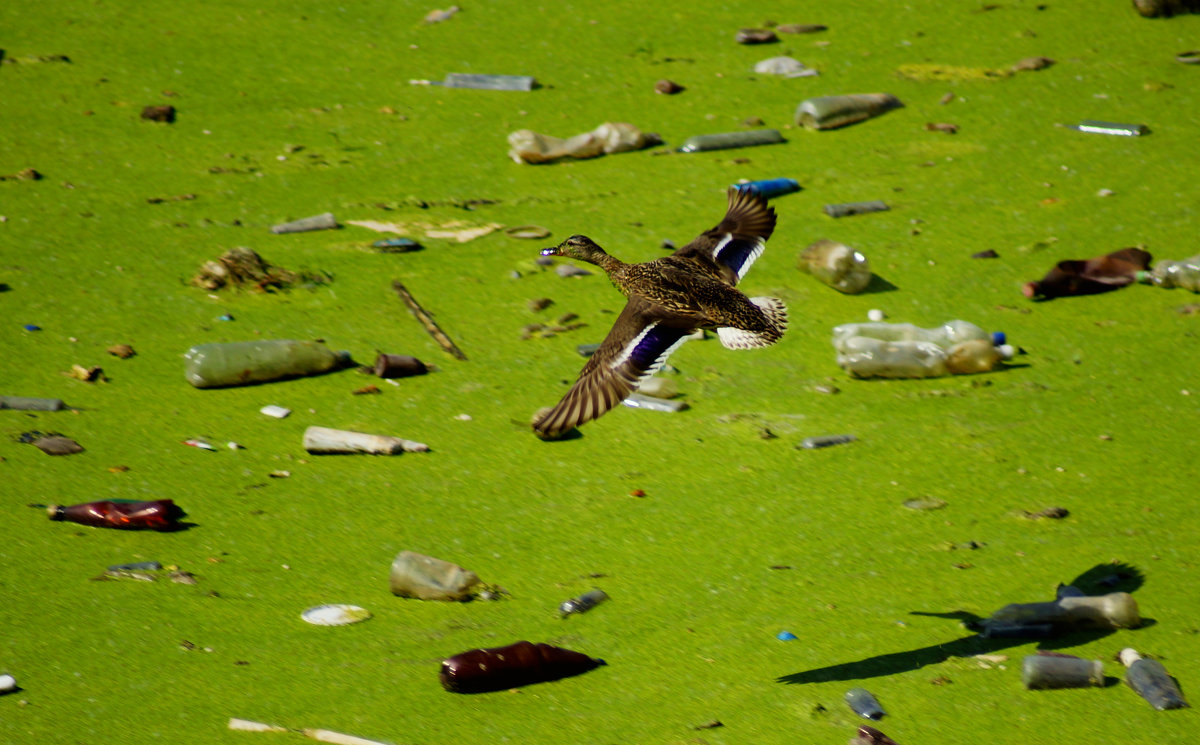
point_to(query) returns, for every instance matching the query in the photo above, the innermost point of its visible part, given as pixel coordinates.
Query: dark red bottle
(520, 664)
(158, 514)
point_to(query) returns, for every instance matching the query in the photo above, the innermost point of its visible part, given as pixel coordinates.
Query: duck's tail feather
(774, 311)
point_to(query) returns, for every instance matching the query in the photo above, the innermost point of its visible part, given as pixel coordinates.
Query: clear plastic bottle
(865, 357)
(837, 265)
(1152, 681)
(945, 336)
(247, 362)
(1184, 273)
(1043, 671)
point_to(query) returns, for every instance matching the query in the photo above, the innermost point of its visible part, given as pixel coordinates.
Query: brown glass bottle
(158, 514)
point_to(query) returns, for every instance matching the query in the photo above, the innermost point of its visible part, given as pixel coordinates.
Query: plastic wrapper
(527, 146)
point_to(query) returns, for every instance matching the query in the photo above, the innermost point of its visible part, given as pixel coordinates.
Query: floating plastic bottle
(520, 664)
(830, 112)
(246, 362)
(527, 146)
(326, 441)
(864, 704)
(1045, 671)
(323, 221)
(865, 357)
(415, 575)
(1167, 274)
(770, 188)
(1152, 681)
(398, 366)
(1166, 8)
(846, 209)
(837, 265)
(26, 403)
(489, 82)
(1116, 610)
(945, 335)
(726, 140)
(583, 603)
(158, 514)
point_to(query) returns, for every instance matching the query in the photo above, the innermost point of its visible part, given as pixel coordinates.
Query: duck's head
(576, 247)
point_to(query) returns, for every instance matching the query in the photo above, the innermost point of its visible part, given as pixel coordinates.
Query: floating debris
(667, 87)
(767, 189)
(583, 603)
(786, 636)
(25, 403)
(871, 736)
(864, 704)
(824, 441)
(164, 114)
(1109, 128)
(513, 666)
(855, 208)
(925, 503)
(727, 140)
(831, 112)
(322, 735)
(837, 265)
(483, 82)
(124, 351)
(430, 325)
(325, 441)
(946, 127)
(571, 270)
(437, 16)
(397, 245)
(1071, 611)
(221, 364)
(788, 67)
(57, 445)
(201, 444)
(1090, 276)
(415, 575)
(528, 232)
(1191, 57)
(157, 514)
(527, 146)
(800, 28)
(1169, 274)
(926, 72)
(398, 366)
(1048, 671)
(335, 614)
(277, 412)
(8, 683)
(87, 374)
(1051, 513)
(989, 253)
(323, 221)
(755, 36)
(640, 401)
(25, 174)
(1032, 63)
(1152, 681)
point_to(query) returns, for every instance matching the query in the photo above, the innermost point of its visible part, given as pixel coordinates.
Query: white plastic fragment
(335, 614)
(788, 67)
(245, 725)
(278, 412)
(7, 683)
(322, 440)
(876, 315)
(321, 735)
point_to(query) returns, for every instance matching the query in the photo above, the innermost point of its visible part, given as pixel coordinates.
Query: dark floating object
(855, 208)
(800, 28)
(1045, 671)
(870, 736)
(1165, 8)
(824, 441)
(1088, 277)
(397, 245)
(1070, 611)
(1189, 58)
(57, 445)
(158, 514)
(667, 87)
(583, 603)
(946, 127)
(986, 254)
(864, 704)
(1032, 63)
(164, 114)
(519, 664)
(755, 36)
(398, 366)
(727, 140)
(1152, 682)
(1109, 128)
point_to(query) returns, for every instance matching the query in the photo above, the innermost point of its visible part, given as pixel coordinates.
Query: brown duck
(670, 298)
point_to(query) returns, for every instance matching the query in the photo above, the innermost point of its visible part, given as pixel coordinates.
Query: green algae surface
(710, 531)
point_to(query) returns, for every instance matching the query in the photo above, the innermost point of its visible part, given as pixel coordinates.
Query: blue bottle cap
(998, 338)
(786, 636)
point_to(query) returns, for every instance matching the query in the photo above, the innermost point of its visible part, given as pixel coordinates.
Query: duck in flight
(669, 299)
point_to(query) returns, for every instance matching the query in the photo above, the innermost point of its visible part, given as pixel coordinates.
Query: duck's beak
(550, 251)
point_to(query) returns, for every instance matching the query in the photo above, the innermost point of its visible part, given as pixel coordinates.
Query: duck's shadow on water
(1098, 580)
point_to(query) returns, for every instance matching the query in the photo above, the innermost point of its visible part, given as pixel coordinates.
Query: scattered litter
(243, 268)
(800, 28)
(367, 390)
(513, 666)
(138, 566)
(398, 366)
(1151, 681)
(201, 444)
(639, 401)
(277, 412)
(855, 208)
(325, 441)
(430, 325)
(769, 188)
(157, 514)
(531, 232)
(87, 374)
(755, 36)
(415, 575)
(831, 112)
(323, 221)
(482, 82)
(1168, 274)
(1052, 513)
(25, 403)
(989, 253)
(1032, 63)
(582, 604)
(875, 315)
(527, 146)
(321, 735)
(1071, 611)
(727, 140)
(1191, 57)
(946, 127)
(925, 503)
(456, 230)
(1047, 671)
(933, 72)
(824, 441)
(32, 327)
(124, 351)
(221, 364)
(864, 704)
(164, 114)
(1109, 128)
(437, 16)
(837, 265)
(335, 614)
(710, 725)
(668, 87)
(1090, 276)
(658, 387)
(871, 736)
(25, 174)
(786, 636)
(53, 444)
(788, 67)
(396, 245)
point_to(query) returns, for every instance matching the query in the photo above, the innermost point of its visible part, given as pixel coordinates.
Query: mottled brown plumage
(669, 298)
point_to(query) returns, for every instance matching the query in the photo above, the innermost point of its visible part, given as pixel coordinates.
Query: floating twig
(434, 330)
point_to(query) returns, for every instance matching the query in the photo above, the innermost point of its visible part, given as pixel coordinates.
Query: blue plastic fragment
(998, 338)
(786, 636)
(226, 317)
(769, 188)
(31, 327)
(396, 243)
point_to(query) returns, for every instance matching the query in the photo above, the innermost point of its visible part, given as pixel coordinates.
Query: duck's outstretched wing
(638, 345)
(733, 245)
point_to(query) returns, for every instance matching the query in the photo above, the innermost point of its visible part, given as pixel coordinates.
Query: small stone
(539, 304)
(1032, 63)
(941, 127)
(57, 445)
(667, 87)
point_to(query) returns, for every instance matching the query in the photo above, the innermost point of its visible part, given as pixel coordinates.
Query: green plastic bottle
(1184, 273)
(246, 362)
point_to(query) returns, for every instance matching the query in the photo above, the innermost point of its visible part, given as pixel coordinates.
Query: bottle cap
(1006, 351)
(998, 338)
(1129, 656)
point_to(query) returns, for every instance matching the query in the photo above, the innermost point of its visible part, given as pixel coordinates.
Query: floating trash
(1165, 8)
(583, 603)
(57, 445)
(824, 441)
(1152, 681)
(336, 614)
(201, 444)
(164, 114)
(32, 327)
(437, 16)
(528, 232)
(397, 245)
(415, 575)
(945, 127)
(1032, 63)
(513, 666)
(786, 636)
(1071, 611)
(1109, 128)
(864, 704)
(800, 28)
(1189, 58)
(157, 514)
(527, 146)
(837, 265)
(277, 412)
(25, 403)
(484, 82)
(326, 441)
(831, 112)
(244, 268)
(323, 221)
(124, 351)
(1047, 671)
(925, 503)
(769, 188)
(398, 366)
(8, 684)
(1168, 274)
(855, 208)
(640, 401)
(667, 87)
(243, 363)
(755, 36)
(727, 140)
(1090, 276)
(788, 67)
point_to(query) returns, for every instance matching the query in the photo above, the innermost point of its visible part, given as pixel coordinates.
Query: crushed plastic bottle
(864, 704)
(945, 336)
(583, 603)
(527, 146)
(1046, 671)
(726, 140)
(519, 664)
(1152, 681)
(1069, 612)
(246, 362)
(1168, 274)
(837, 265)
(158, 514)
(415, 575)
(830, 112)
